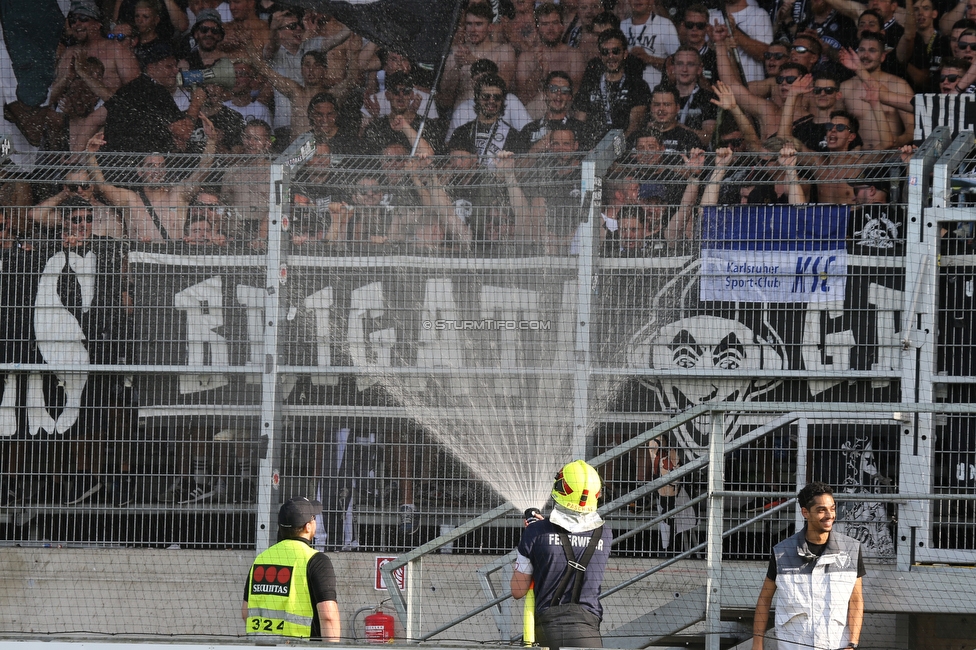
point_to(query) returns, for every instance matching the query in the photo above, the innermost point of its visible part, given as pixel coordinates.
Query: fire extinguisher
(379, 626)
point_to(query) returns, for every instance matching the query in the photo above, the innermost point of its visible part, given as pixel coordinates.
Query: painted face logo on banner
(682, 338)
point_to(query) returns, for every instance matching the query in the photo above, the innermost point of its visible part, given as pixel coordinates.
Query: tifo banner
(60, 307)
(205, 311)
(404, 26)
(509, 322)
(958, 112)
(439, 315)
(198, 310)
(774, 253)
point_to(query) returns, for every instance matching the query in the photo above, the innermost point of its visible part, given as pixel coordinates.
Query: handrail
(788, 413)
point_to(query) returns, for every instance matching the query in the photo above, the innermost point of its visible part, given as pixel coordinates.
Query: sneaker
(243, 491)
(407, 514)
(122, 491)
(84, 488)
(175, 491)
(8, 495)
(201, 493)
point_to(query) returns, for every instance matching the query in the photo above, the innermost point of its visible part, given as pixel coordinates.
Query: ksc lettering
(811, 265)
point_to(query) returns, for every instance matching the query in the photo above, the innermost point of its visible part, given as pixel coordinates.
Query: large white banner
(773, 276)
(774, 254)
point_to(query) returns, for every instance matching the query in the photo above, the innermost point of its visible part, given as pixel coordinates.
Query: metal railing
(721, 521)
(288, 379)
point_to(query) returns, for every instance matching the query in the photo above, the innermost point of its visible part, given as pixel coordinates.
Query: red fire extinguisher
(379, 627)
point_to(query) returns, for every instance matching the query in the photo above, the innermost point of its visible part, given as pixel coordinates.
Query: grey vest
(813, 593)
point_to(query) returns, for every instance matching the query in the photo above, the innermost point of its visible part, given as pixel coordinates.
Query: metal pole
(269, 465)
(411, 622)
(584, 294)
(919, 364)
(593, 168)
(437, 81)
(716, 509)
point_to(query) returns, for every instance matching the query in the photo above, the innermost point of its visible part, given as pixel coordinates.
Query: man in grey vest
(817, 573)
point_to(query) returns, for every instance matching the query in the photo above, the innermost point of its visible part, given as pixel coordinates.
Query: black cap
(298, 511)
(874, 176)
(398, 79)
(483, 65)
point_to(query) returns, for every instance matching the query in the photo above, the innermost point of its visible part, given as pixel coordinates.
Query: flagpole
(437, 77)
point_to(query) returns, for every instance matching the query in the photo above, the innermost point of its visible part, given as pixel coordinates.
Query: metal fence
(834, 441)
(416, 342)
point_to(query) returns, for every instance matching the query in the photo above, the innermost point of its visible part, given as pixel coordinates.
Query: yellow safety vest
(278, 600)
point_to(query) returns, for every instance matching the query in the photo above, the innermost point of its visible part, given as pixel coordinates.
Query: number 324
(266, 625)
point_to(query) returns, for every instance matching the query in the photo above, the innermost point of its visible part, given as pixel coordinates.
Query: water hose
(528, 618)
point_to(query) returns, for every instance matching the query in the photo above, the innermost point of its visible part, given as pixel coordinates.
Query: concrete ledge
(188, 595)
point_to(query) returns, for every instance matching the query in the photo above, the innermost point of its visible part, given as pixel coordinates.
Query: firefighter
(564, 556)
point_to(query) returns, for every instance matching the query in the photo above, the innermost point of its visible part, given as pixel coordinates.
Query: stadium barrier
(377, 341)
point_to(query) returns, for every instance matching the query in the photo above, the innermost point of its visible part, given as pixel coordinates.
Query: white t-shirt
(253, 111)
(657, 36)
(182, 98)
(756, 23)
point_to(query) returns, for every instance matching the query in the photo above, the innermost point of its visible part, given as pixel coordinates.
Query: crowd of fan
(789, 81)
(754, 102)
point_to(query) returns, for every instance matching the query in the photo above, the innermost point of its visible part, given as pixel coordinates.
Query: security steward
(291, 590)
(565, 556)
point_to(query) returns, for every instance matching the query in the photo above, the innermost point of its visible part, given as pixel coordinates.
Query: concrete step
(680, 613)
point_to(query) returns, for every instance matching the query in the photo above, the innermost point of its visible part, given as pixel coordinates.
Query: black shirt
(342, 143)
(487, 139)
(814, 134)
(835, 31)
(607, 105)
(697, 108)
(709, 64)
(893, 33)
(138, 117)
(378, 134)
(194, 60)
(538, 129)
(928, 55)
(680, 138)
